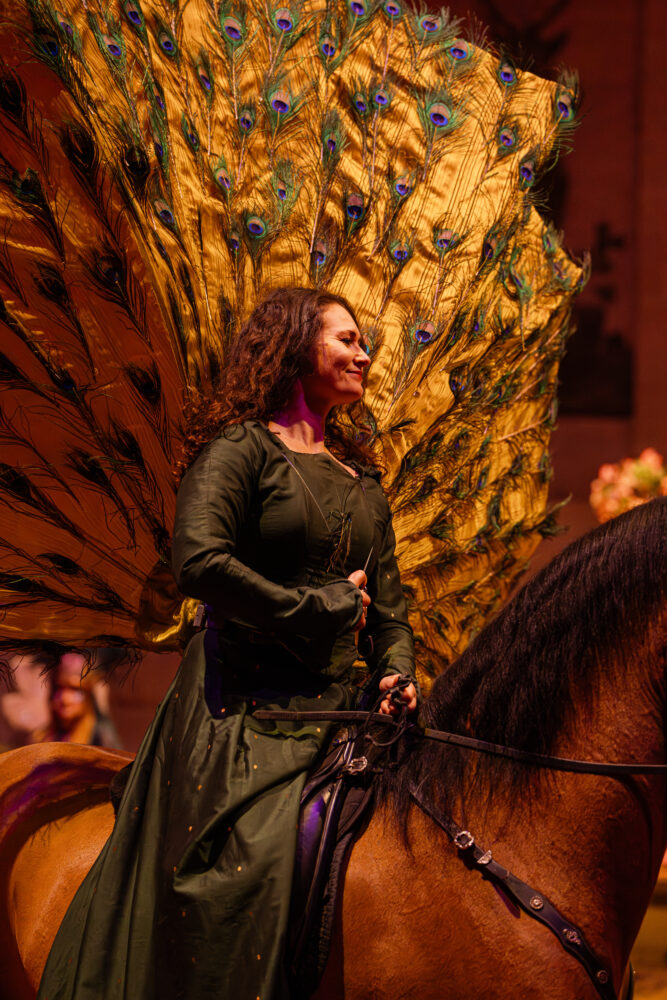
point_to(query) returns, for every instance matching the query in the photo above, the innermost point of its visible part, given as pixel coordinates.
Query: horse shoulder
(415, 921)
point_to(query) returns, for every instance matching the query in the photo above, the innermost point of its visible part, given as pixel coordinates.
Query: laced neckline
(356, 475)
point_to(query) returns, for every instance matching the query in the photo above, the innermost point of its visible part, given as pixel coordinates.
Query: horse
(574, 666)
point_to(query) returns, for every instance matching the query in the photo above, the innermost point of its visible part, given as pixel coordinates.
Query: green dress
(190, 896)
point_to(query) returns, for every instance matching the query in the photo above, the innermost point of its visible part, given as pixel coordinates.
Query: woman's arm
(387, 620)
(213, 503)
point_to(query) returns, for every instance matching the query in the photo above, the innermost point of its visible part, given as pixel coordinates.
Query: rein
(469, 743)
(533, 902)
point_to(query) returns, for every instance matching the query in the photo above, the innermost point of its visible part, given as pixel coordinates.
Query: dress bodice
(313, 522)
(267, 538)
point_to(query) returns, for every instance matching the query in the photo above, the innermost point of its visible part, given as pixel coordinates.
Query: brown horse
(575, 666)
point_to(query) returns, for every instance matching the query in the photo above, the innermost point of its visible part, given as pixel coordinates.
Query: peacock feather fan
(163, 164)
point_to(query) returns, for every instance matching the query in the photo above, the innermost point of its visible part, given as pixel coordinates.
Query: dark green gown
(190, 896)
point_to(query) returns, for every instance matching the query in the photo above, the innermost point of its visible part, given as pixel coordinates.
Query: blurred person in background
(69, 704)
(79, 705)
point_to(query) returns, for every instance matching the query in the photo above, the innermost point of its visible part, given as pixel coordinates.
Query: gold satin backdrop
(162, 166)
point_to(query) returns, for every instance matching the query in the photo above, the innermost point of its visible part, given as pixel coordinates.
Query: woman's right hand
(359, 579)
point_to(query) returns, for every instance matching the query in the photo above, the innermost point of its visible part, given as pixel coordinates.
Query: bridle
(546, 761)
(532, 901)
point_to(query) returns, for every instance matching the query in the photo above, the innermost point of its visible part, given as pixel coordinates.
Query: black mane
(518, 681)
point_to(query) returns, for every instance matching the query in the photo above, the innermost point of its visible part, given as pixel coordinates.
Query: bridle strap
(531, 901)
(469, 743)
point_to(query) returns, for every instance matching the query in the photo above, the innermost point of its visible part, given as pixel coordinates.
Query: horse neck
(606, 836)
(626, 723)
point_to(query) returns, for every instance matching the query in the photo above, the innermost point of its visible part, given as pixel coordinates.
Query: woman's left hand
(408, 694)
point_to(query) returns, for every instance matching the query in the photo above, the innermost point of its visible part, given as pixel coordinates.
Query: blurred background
(608, 196)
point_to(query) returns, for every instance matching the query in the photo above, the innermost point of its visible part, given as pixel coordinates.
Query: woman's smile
(339, 361)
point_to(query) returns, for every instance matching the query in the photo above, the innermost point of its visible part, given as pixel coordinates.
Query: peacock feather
(162, 164)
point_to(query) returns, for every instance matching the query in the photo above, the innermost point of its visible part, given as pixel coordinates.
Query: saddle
(335, 809)
(336, 806)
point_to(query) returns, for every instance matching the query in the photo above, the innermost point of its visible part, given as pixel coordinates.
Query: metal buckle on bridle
(464, 840)
(357, 765)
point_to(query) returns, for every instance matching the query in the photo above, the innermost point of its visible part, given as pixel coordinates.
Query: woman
(78, 700)
(190, 897)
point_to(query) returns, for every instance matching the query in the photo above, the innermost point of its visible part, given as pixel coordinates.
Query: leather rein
(469, 743)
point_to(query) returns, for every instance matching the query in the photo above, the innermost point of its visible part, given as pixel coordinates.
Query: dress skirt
(190, 896)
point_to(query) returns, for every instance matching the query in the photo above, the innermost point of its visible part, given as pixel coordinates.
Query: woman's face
(69, 701)
(339, 362)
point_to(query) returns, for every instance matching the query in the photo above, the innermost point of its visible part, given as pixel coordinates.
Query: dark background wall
(609, 196)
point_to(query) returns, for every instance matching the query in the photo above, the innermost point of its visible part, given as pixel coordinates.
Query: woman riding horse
(190, 896)
(575, 666)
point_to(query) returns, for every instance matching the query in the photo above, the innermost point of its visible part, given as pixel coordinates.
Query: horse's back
(55, 816)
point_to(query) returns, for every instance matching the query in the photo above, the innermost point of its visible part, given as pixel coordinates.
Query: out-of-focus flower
(652, 459)
(628, 484)
(607, 473)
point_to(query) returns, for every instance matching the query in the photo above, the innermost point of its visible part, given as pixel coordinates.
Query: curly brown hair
(272, 350)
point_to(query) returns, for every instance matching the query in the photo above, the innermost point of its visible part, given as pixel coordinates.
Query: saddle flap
(334, 804)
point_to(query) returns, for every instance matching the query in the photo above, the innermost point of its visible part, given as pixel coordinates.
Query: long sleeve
(213, 504)
(387, 621)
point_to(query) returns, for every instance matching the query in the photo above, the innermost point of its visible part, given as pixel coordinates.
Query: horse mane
(590, 610)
